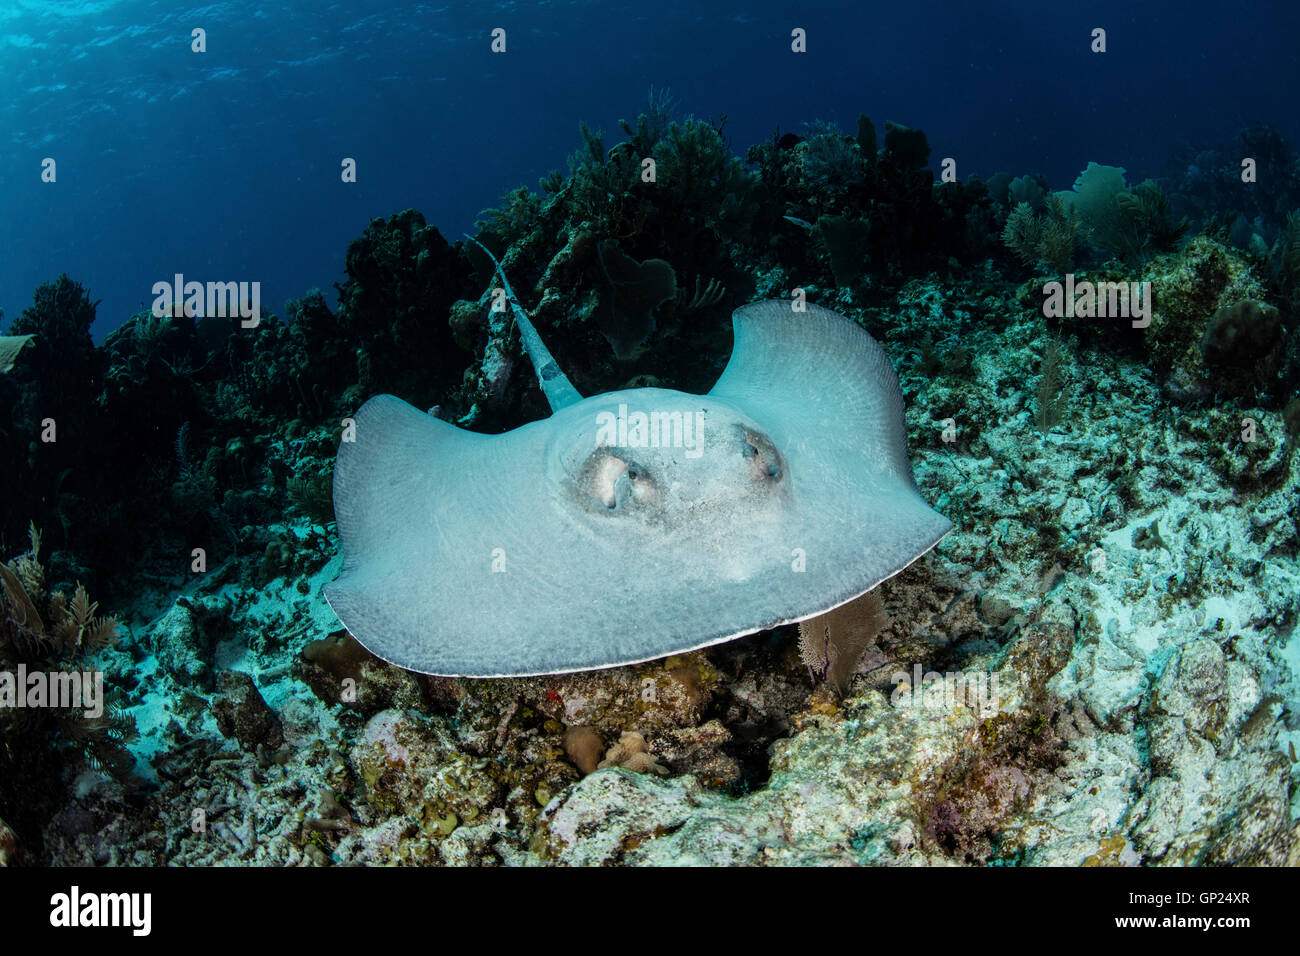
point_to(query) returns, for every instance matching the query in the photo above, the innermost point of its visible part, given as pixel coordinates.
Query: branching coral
(706, 294)
(603, 187)
(652, 125)
(313, 496)
(1042, 239)
(68, 629)
(44, 632)
(1049, 397)
(513, 221)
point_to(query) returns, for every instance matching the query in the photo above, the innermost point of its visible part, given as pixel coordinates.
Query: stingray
(634, 524)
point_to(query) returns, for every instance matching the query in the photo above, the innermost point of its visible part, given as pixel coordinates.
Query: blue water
(225, 165)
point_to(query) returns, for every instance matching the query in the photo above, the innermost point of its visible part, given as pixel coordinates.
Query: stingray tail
(555, 385)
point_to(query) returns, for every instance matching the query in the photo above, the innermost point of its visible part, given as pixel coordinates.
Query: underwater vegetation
(1091, 669)
(45, 629)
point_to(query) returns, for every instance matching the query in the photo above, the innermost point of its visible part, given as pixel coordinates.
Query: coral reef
(1128, 224)
(1190, 290)
(1096, 668)
(1205, 183)
(57, 642)
(1138, 717)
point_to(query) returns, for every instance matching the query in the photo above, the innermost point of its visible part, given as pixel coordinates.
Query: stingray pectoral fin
(392, 484)
(389, 473)
(457, 559)
(817, 372)
(827, 393)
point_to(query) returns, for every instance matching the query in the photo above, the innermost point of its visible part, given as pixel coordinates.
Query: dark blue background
(226, 165)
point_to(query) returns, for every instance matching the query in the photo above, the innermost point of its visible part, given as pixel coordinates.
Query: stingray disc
(633, 524)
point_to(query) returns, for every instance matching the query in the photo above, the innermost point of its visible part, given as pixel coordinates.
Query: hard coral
(1243, 347)
(1188, 290)
(583, 746)
(242, 713)
(632, 753)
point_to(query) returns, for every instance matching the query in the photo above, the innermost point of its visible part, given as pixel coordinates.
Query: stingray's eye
(762, 455)
(615, 482)
(635, 487)
(602, 474)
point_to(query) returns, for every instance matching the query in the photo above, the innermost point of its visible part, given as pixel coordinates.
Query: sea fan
(831, 644)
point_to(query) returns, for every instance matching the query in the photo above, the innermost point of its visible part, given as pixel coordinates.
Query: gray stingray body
(590, 540)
